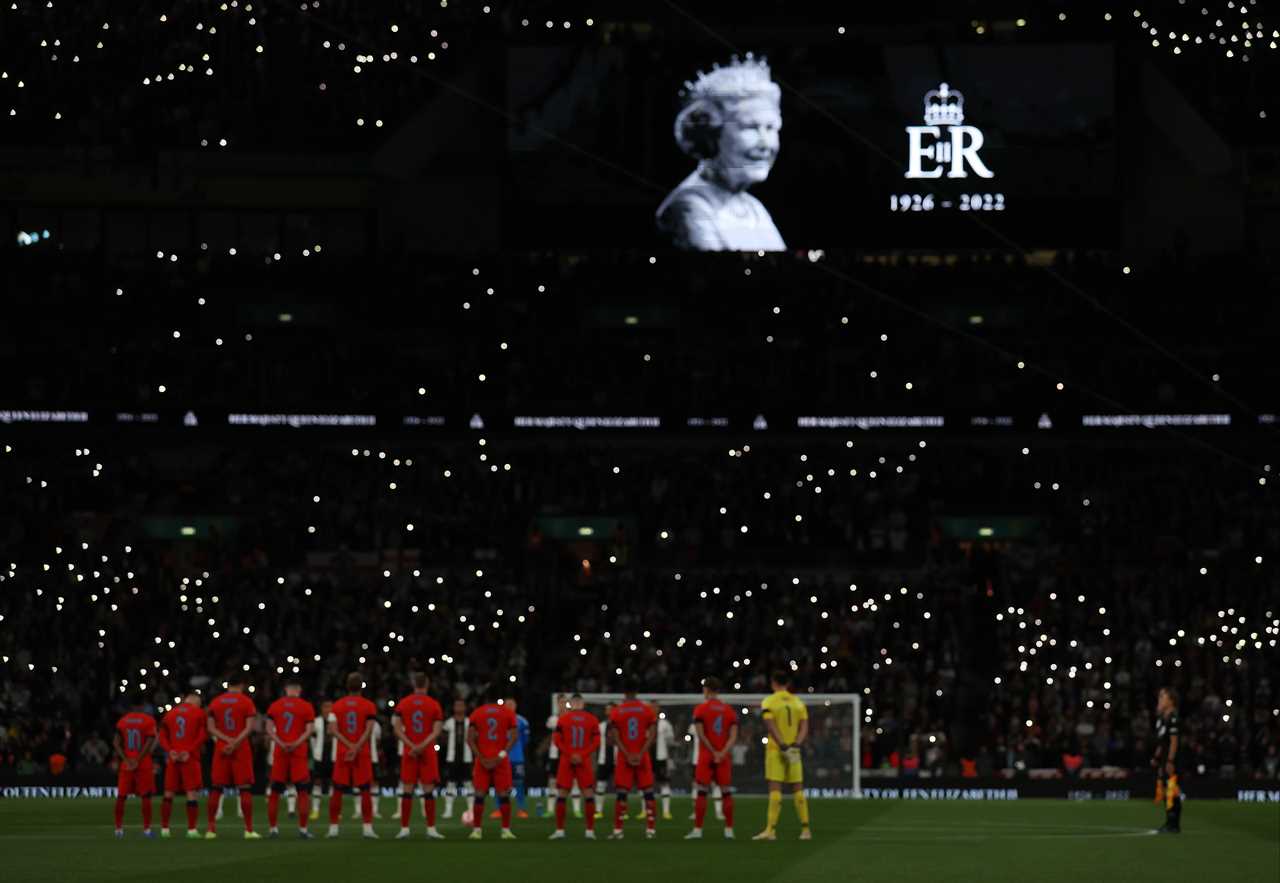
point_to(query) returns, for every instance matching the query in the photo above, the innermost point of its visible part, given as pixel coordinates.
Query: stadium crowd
(1041, 647)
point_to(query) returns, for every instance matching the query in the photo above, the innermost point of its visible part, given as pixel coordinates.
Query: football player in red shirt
(494, 729)
(418, 722)
(353, 767)
(717, 727)
(183, 732)
(632, 725)
(232, 719)
(577, 738)
(289, 722)
(133, 743)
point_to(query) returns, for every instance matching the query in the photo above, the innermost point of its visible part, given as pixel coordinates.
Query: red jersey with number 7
(291, 714)
(632, 720)
(492, 725)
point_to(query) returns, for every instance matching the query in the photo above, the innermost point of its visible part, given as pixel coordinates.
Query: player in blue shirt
(518, 762)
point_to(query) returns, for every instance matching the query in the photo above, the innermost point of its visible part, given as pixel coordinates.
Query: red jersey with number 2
(493, 725)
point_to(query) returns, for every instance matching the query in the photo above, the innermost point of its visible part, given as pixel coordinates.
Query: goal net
(831, 756)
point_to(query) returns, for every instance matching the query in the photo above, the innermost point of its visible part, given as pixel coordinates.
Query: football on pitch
(466, 817)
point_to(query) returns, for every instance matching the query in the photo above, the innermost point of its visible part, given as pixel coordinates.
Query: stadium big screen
(852, 140)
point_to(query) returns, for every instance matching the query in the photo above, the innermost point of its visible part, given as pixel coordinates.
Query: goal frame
(752, 700)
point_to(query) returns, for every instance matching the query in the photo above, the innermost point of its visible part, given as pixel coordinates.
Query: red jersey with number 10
(632, 720)
(493, 725)
(717, 720)
(135, 728)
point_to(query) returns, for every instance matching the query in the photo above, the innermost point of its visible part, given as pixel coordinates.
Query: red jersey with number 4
(232, 712)
(135, 728)
(493, 725)
(419, 713)
(632, 720)
(717, 720)
(577, 733)
(353, 713)
(183, 728)
(291, 714)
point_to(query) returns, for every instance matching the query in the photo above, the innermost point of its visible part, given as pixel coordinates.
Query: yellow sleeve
(767, 707)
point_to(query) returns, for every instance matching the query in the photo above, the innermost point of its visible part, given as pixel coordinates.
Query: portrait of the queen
(729, 123)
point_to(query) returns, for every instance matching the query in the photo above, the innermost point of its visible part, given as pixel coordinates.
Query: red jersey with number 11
(577, 733)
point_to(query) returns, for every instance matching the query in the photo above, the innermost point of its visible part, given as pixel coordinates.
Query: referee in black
(1165, 760)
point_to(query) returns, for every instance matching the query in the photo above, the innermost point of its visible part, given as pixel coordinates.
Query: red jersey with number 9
(493, 725)
(352, 713)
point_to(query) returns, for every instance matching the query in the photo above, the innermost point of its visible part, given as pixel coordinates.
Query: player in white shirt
(455, 767)
(663, 742)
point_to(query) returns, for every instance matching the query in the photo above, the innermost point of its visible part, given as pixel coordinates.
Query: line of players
(491, 732)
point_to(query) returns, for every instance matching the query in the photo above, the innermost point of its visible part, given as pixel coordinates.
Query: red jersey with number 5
(419, 714)
(632, 720)
(717, 720)
(493, 724)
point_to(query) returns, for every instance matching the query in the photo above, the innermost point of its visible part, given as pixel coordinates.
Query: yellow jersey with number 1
(786, 711)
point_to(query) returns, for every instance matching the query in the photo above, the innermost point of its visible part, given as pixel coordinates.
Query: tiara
(741, 78)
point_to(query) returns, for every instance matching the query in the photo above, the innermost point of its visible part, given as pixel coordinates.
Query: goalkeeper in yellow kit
(788, 722)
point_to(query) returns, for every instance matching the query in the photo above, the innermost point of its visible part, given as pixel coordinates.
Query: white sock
(293, 799)
(666, 800)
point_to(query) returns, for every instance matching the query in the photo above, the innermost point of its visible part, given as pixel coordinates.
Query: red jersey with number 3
(291, 714)
(231, 713)
(353, 713)
(183, 728)
(577, 733)
(632, 720)
(419, 713)
(493, 725)
(135, 729)
(717, 720)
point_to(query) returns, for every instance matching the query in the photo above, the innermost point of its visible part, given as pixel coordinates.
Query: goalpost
(832, 760)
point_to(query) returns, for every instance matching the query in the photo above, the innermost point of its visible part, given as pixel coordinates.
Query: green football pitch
(881, 841)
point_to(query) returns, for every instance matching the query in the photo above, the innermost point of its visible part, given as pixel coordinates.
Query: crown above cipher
(943, 106)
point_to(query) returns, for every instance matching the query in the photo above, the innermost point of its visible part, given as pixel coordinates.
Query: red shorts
(708, 770)
(499, 777)
(140, 781)
(290, 767)
(423, 769)
(356, 773)
(232, 769)
(584, 774)
(183, 775)
(626, 777)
